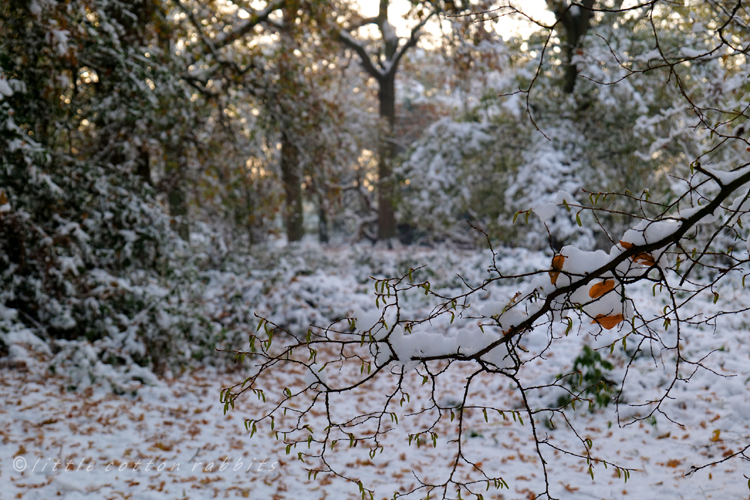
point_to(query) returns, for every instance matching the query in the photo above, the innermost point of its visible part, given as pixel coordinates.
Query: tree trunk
(574, 27)
(290, 176)
(322, 220)
(290, 167)
(143, 166)
(386, 212)
(176, 192)
(249, 216)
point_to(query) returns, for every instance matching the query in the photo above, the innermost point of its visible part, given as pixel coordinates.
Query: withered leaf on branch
(608, 322)
(602, 288)
(641, 258)
(557, 265)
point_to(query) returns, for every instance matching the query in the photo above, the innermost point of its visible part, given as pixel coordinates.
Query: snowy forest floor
(106, 441)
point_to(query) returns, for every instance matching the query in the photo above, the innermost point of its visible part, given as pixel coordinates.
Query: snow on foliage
(549, 167)
(450, 174)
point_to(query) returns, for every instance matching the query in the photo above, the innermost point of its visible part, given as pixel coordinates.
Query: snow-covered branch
(247, 26)
(347, 39)
(392, 65)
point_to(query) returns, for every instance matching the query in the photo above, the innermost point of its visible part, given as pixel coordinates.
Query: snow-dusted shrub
(84, 248)
(89, 259)
(551, 167)
(458, 172)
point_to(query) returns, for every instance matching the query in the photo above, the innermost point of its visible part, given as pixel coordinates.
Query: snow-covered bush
(89, 259)
(458, 172)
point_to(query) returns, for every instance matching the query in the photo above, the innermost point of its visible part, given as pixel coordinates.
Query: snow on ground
(173, 441)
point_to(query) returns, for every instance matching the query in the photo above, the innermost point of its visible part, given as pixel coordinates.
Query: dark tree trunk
(290, 176)
(384, 72)
(143, 166)
(176, 191)
(574, 27)
(322, 220)
(386, 212)
(248, 218)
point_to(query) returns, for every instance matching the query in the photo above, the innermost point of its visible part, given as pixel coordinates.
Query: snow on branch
(347, 39)
(247, 26)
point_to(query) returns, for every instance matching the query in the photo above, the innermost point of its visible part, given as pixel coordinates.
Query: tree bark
(290, 176)
(143, 166)
(174, 167)
(386, 211)
(290, 168)
(322, 220)
(574, 27)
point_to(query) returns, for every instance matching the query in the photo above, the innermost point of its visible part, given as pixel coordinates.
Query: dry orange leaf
(162, 447)
(558, 261)
(673, 462)
(569, 488)
(553, 275)
(557, 264)
(643, 257)
(601, 288)
(626, 245)
(608, 322)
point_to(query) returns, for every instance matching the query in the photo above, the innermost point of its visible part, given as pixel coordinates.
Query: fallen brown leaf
(570, 488)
